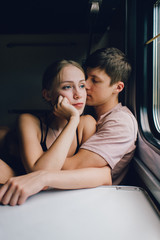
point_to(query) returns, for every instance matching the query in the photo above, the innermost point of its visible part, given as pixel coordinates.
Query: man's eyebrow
(94, 76)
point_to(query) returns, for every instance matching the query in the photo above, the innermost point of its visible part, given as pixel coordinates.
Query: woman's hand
(64, 109)
(17, 189)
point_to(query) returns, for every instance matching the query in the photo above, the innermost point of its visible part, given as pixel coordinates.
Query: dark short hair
(113, 61)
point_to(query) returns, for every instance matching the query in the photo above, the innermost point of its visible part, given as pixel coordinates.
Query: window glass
(156, 66)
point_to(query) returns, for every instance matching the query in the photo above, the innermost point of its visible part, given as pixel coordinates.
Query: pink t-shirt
(115, 140)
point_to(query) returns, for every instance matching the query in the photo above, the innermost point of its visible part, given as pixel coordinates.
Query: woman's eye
(82, 86)
(66, 87)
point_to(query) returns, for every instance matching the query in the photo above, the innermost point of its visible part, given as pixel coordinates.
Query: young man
(113, 144)
(104, 158)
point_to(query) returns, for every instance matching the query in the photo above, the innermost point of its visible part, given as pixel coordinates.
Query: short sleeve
(114, 138)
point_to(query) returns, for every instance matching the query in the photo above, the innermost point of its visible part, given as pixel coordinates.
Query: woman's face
(72, 86)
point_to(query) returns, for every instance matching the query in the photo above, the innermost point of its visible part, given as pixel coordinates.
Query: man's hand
(17, 189)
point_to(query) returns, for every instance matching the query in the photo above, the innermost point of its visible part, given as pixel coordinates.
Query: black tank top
(43, 141)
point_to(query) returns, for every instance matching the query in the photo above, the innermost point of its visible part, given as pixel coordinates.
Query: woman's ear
(46, 95)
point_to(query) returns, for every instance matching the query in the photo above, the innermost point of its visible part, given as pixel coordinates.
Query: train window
(152, 70)
(156, 66)
(144, 23)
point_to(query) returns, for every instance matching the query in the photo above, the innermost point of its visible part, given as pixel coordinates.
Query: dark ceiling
(50, 16)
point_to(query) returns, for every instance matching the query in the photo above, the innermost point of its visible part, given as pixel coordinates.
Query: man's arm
(84, 159)
(18, 189)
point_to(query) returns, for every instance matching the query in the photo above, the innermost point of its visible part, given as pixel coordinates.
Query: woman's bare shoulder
(28, 121)
(87, 120)
(87, 126)
(27, 117)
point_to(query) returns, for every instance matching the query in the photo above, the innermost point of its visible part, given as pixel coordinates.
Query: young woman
(46, 141)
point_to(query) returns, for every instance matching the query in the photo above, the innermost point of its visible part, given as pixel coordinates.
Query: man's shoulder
(124, 112)
(120, 109)
(120, 113)
(120, 118)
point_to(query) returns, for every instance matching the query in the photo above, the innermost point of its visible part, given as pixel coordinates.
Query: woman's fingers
(22, 198)
(3, 190)
(6, 193)
(65, 101)
(62, 102)
(64, 109)
(12, 193)
(60, 99)
(57, 107)
(14, 197)
(18, 189)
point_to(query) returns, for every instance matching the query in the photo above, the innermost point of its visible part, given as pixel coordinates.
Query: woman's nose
(77, 94)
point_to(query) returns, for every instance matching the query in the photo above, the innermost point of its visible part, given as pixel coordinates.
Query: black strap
(43, 141)
(78, 145)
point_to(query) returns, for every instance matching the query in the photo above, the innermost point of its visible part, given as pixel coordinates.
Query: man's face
(98, 87)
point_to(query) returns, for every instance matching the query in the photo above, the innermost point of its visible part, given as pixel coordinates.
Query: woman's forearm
(18, 189)
(55, 156)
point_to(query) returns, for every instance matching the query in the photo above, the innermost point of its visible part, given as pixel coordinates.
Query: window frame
(156, 71)
(145, 80)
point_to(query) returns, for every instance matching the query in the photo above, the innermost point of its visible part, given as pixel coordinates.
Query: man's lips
(88, 96)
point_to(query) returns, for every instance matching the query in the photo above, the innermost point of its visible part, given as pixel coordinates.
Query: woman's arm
(31, 151)
(55, 157)
(30, 134)
(18, 189)
(33, 157)
(29, 140)
(6, 172)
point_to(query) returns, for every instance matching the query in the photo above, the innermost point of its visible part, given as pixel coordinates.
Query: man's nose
(88, 83)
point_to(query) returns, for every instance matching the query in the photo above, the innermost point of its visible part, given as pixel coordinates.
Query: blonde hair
(51, 77)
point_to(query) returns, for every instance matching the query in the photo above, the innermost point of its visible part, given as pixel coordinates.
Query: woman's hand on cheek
(64, 109)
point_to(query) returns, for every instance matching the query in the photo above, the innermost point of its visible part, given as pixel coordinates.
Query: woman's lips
(78, 105)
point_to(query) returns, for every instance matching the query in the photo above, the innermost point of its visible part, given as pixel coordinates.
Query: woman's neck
(57, 123)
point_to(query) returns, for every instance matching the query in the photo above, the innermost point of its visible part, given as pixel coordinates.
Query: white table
(102, 213)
